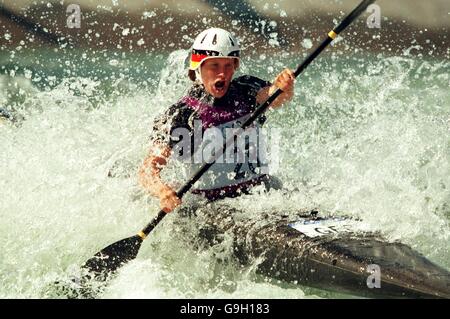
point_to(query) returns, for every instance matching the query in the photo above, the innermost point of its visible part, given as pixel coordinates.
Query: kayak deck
(325, 252)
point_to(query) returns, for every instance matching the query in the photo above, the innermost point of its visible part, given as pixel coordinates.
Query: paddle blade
(109, 259)
(98, 269)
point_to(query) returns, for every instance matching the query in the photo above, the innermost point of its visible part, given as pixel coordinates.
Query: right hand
(168, 199)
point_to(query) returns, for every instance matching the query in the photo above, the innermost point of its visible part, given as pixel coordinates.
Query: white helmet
(213, 42)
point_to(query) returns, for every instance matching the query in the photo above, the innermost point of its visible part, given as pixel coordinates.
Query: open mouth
(219, 85)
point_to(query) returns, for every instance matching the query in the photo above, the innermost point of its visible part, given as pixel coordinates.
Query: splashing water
(368, 136)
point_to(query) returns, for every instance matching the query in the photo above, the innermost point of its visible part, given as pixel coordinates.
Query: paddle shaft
(31, 26)
(260, 110)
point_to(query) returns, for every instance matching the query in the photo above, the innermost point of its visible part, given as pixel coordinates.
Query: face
(217, 74)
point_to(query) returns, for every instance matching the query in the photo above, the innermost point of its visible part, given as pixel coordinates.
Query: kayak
(305, 247)
(323, 251)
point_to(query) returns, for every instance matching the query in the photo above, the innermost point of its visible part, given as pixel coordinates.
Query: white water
(377, 146)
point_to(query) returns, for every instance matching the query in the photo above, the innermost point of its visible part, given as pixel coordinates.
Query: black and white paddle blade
(109, 259)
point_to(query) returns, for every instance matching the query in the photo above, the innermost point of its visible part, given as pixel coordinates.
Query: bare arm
(150, 179)
(284, 81)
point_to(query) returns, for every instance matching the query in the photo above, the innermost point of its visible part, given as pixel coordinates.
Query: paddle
(32, 26)
(109, 259)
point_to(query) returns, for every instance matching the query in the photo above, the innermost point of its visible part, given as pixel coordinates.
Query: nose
(221, 71)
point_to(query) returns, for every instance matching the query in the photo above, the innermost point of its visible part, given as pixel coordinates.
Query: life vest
(241, 166)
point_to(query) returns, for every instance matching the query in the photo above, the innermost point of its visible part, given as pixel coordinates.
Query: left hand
(285, 81)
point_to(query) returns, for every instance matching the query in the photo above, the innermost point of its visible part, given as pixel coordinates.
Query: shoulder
(176, 115)
(250, 82)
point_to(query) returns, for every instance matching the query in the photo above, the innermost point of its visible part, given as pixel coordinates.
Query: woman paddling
(215, 103)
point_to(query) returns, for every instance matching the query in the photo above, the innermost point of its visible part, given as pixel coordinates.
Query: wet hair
(193, 77)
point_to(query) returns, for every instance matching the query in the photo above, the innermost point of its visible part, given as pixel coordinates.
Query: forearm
(283, 98)
(150, 179)
(285, 82)
(149, 173)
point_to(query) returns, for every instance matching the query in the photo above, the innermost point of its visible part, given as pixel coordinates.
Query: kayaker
(215, 101)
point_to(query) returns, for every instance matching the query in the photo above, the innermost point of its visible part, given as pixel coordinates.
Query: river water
(366, 135)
